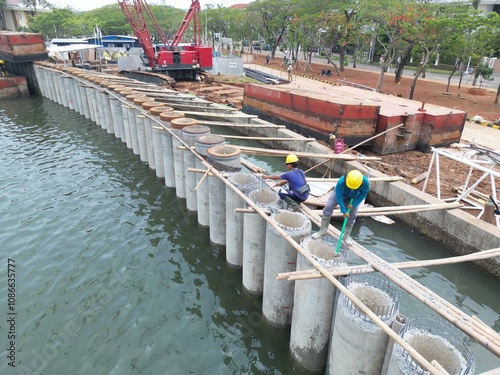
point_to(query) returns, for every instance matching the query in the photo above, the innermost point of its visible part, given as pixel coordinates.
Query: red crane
(181, 63)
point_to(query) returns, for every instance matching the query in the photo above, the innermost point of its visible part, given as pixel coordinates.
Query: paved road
(481, 135)
(466, 80)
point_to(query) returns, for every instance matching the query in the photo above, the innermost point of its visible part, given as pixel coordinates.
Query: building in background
(115, 41)
(487, 6)
(15, 16)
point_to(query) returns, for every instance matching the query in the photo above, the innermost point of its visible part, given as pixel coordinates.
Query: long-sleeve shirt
(345, 194)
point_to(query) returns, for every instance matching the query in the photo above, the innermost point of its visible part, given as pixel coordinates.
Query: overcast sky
(92, 4)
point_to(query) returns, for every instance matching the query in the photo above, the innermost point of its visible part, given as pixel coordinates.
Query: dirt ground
(409, 164)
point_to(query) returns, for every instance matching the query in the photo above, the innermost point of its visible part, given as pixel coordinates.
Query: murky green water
(114, 276)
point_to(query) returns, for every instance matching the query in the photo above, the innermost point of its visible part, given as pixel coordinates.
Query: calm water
(114, 276)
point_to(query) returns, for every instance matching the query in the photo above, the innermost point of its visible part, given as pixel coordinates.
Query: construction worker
(298, 189)
(3, 70)
(353, 186)
(290, 70)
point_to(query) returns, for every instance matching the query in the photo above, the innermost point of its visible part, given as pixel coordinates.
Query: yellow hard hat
(2, 62)
(292, 158)
(354, 179)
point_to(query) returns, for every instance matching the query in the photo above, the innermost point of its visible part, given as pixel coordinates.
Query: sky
(92, 4)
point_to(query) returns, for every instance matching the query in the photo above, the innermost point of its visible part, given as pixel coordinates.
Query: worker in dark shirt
(298, 189)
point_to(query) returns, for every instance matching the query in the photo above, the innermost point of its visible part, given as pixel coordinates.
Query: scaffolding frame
(474, 164)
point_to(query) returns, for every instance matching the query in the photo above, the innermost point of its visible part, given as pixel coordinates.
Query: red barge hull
(356, 115)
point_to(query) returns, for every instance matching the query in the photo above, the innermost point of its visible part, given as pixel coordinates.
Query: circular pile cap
(112, 84)
(150, 104)
(142, 99)
(171, 115)
(196, 129)
(181, 122)
(224, 151)
(132, 97)
(127, 91)
(210, 139)
(156, 111)
(117, 87)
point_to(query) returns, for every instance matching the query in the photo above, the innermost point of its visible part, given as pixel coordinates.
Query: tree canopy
(394, 32)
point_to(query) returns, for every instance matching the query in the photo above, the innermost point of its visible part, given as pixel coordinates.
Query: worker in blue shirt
(298, 189)
(353, 186)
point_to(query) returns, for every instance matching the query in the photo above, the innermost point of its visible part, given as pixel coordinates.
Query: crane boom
(188, 62)
(135, 12)
(193, 14)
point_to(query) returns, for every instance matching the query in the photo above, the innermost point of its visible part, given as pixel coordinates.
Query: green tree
(270, 20)
(169, 19)
(239, 27)
(2, 19)
(59, 23)
(399, 26)
(110, 20)
(304, 29)
(37, 4)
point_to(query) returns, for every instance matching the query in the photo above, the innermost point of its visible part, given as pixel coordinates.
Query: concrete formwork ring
(182, 122)
(225, 158)
(245, 182)
(150, 104)
(322, 251)
(378, 293)
(203, 142)
(434, 339)
(140, 101)
(265, 198)
(169, 116)
(189, 133)
(295, 224)
(157, 111)
(132, 97)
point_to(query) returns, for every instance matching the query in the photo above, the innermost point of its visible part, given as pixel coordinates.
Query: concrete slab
(481, 135)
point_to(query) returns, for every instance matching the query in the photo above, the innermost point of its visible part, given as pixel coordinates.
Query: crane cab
(185, 63)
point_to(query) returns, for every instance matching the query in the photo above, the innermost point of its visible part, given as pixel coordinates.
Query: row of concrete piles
(328, 333)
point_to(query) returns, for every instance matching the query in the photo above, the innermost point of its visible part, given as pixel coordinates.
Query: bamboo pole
(415, 355)
(236, 125)
(391, 210)
(476, 322)
(253, 168)
(269, 138)
(372, 179)
(343, 271)
(439, 367)
(269, 152)
(451, 313)
(357, 145)
(375, 136)
(420, 177)
(195, 170)
(405, 282)
(201, 179)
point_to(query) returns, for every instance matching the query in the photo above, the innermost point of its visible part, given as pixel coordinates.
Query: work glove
(349, 206)
(346, 215)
